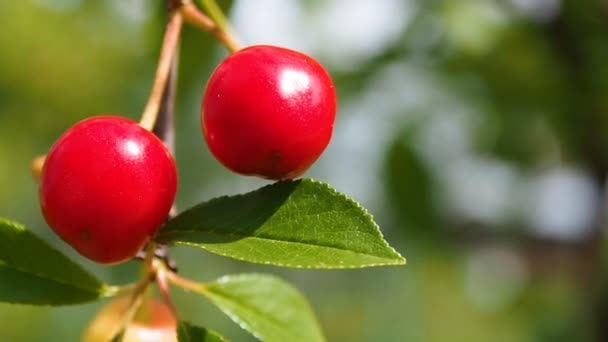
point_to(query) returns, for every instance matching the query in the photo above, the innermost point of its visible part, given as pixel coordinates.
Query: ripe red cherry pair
(108, 184)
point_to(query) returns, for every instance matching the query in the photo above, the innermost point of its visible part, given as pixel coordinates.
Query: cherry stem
(185, 283)
(164, 128)
(37, 164)
(121, 290)
(149, 266)
(163, 286)
(216, 13)
(163, 122)
(197, 18)
(137, 298)
(165, 63)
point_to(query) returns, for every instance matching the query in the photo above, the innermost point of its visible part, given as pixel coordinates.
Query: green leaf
(266, 306)
(406, 174)
(302, 224)
(187, 332)
(32, 272)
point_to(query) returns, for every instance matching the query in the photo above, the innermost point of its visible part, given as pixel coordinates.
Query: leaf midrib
(374, 233)
(261, 237)
(252, 309)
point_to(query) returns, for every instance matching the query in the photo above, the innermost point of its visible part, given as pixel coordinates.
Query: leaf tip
(398, 258)
(401, 261)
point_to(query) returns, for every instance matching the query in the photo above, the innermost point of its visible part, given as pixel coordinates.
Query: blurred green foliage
(477, 137)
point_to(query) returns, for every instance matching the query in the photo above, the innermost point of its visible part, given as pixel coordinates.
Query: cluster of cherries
(108, 184)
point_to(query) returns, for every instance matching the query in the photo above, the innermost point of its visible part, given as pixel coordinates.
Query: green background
(474, 131)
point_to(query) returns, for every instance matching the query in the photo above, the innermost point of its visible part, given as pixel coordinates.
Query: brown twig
(164, 128)
(166, 63)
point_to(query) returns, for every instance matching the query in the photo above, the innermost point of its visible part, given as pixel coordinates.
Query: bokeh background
(475, 131)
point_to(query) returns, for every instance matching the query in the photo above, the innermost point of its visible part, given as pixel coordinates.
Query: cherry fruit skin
(268, 111)
(106, 187)
(153, 322)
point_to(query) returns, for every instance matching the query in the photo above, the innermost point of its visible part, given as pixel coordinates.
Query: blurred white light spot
(343, 33)
(135, 11)
(495, 276)
(543, 10)
(402, 87)
(446, 138)
(563, 204)
(352, 32)
(138, 333)
(480, 189)
(293, 82)
(357, 150)
(269, 22)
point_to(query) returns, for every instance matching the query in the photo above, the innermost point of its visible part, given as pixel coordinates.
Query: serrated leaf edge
(226, 278)
(364, 211)
(399, 259)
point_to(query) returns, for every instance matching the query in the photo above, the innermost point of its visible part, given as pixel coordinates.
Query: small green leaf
(302, 224)
(266, 306)
(187, 332)
(32, 272)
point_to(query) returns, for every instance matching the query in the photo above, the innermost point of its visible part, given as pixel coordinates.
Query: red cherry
(154, 322)
(268, 111)
(106, 187)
